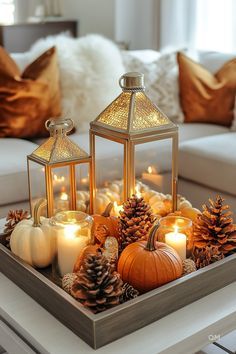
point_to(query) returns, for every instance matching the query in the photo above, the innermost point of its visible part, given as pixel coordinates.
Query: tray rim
(96, 321)
(107, 313)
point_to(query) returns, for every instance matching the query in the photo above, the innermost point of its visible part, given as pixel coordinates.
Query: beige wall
(94, 16)
(136, 23)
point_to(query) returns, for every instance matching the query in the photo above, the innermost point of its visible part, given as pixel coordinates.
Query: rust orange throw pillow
(27, 100)
(204, 97)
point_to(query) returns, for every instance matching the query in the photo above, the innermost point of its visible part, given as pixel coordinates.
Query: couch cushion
(210, 161)
(157, 154)
(207, 98)
(13, 172)
(213, 61)
(30, 98)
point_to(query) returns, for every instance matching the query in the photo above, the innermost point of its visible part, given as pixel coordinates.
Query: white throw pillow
(161, 82)
(90, 68)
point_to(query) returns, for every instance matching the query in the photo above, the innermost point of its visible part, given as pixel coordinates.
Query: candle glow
(177, 241)
(137, 192)
(116, 209)
(64, 196)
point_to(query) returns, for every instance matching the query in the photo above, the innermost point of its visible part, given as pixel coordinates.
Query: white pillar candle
(177, 241)
(70, 243)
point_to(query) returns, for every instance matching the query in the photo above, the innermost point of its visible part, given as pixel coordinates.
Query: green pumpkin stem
(37, 211)
(150, 246)
(107, 211)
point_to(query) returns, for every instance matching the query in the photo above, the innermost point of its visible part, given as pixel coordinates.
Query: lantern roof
(132, 112)
(58, 148)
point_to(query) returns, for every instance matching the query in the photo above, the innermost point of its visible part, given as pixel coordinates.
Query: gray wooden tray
(100, 329)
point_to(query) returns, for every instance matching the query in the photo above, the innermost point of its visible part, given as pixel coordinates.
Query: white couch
(207, 160)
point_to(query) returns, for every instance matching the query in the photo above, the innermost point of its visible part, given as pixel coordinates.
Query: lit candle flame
(84, 180)
(117, 208)
(176, 229)
(58, 179)
(137, 192)
(152, 170)
(64, 196)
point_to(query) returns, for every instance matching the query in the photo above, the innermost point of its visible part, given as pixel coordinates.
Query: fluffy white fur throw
(90, 67)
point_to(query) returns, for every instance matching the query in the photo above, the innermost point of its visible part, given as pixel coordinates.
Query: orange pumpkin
(111, 222)
(147, 265)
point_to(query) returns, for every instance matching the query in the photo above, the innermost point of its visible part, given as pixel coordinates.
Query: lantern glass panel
(153, 166)
(82, 187)
(36, 182)
(61, 188)
(109, 162)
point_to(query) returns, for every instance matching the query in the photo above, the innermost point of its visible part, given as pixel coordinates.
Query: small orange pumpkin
(98, 239)
(111, 222)
(147, 265)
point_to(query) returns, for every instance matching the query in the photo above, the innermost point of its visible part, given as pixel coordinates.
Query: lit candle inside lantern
(137, 192)
(58, 179)
(177, 241)
(70, 244)
(63, 202)
(152, 177)
(84, 181)
(116, 209)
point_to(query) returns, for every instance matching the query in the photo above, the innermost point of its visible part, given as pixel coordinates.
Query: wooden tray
(100, 329)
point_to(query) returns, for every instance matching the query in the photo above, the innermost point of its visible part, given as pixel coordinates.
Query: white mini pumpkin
(33, 240)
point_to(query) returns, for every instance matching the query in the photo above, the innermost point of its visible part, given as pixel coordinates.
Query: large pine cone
(135, 221)
(97, 286)
(215, 227)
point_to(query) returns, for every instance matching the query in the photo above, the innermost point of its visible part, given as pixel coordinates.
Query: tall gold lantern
(57, 169)
(130, 120)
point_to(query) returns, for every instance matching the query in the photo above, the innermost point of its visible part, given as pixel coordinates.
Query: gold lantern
(130, 120)
(59, 170)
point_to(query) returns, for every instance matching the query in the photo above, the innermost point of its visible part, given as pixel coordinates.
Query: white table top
(184, 331)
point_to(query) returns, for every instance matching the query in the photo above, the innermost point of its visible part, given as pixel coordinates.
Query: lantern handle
(65, 124)
(132, 81)
(120, 82)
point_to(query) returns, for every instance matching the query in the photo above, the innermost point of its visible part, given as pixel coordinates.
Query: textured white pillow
(161, 82)
(90, 68)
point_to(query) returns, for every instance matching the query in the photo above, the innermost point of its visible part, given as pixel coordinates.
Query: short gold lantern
(59, 170)
(130, 120)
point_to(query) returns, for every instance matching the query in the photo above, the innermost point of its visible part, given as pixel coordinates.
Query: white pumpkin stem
(150, 246)
(37, 211)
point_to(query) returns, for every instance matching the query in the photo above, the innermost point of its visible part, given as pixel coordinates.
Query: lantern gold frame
(59, 151)
(132, 119)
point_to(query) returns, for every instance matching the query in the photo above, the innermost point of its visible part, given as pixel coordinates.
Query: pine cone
(96, 286)
(13, 218)
(135, 221)
(215, 227)
(207, 255)
(67, 281)
(129, 293)
(189, 266)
